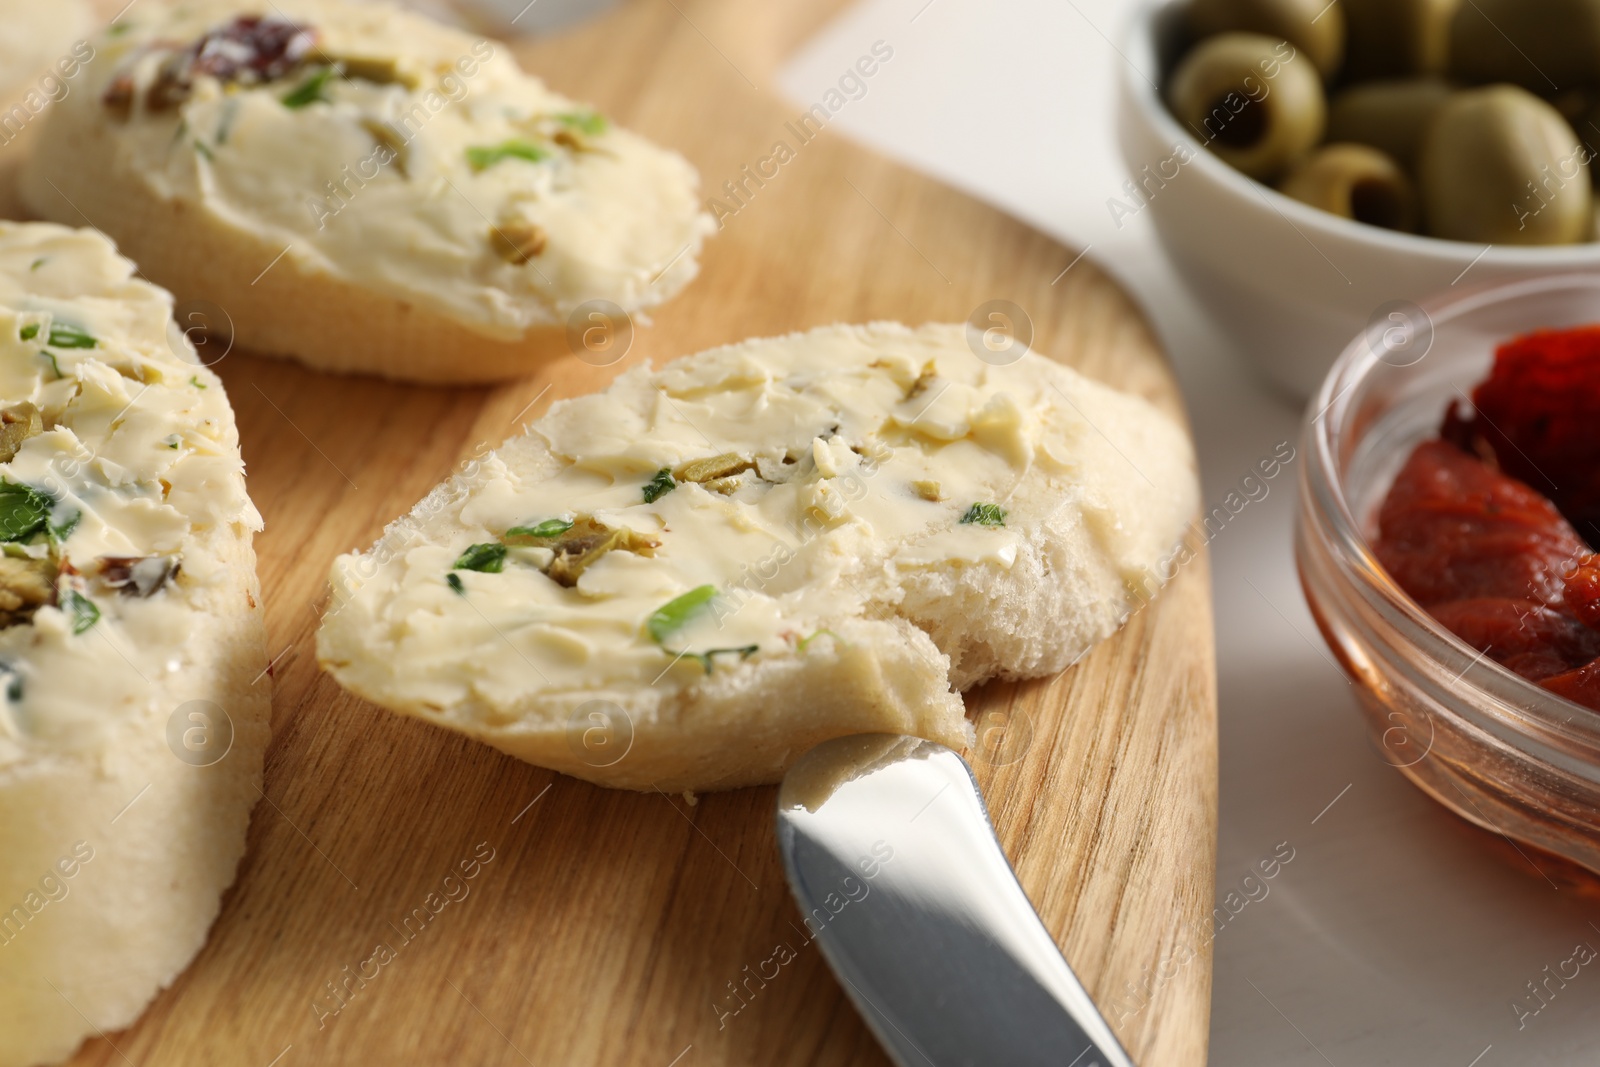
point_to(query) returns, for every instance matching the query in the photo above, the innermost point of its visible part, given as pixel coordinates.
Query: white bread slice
(393, 209)
(850, 594)
(122, 819)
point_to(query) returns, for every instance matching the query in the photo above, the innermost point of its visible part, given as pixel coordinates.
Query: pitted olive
(1541, 45)
(1356, 182)
(1393, 38)
(1314, 27)
(1391, 116)
(1501, 166)
(1248, 100)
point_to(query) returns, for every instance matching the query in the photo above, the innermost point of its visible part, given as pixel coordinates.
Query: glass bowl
(1484, 742)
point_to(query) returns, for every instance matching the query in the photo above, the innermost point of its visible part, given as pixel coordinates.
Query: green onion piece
(454, 581)
(83, 610)
(482, 157)
(61, 336)
(590, 122)
(489, 559)
(705, 657)
(23, 511)
(311, 91)
(659, 486)
(61, 529)
(545, 529)
(804, 641)
(674, 613)
(985, 515)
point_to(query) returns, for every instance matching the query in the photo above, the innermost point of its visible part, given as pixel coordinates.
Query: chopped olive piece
(26, 585)
(517, 242)
(706, 470)
(387, 136)
(17, 423)
(140, 576)
(380, 70)
(586, 542)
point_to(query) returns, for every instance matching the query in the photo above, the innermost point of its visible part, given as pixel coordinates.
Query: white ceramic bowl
(1288, 284)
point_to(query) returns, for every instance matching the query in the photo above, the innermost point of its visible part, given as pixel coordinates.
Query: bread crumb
(690, 799)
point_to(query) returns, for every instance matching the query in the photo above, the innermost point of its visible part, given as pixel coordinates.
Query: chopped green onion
(804, 641)
(482, 157)
(61, 336)
(454, 581)
(23, 511)
(61, 529)
(674, 613)
(83, 610)
(985, 515)
(659, 486)
(489, 559)
(590, 122)
(311, 91)
(705, 657)
(547, 528)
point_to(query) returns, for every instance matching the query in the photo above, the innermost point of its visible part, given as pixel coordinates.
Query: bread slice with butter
(687, 580)
(363, 189)
(133, 702)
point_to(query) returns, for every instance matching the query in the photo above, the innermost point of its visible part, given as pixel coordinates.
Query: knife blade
(900, 880)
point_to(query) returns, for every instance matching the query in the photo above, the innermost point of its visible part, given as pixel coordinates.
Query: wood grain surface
(612, 928)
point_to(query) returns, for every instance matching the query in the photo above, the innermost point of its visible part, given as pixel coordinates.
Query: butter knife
(892, 858)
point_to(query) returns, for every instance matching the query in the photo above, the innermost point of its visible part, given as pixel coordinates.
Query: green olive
(1391, 38)
(1390, 115)
(1501, 166)
(1315, 27)
(1541, 45)
(1356, 182)
(1245, 102)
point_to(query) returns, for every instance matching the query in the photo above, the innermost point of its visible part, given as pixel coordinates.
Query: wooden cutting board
(612, 928)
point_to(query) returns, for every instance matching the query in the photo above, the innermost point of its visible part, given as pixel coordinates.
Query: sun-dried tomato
(1537, 417)
(249, 50)
(1453, 528)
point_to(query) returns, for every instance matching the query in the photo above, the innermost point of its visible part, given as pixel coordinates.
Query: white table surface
(1395, 935)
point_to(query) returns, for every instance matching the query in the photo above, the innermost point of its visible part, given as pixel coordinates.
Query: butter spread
(398, 154)
(120, 455)
(753, 496)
